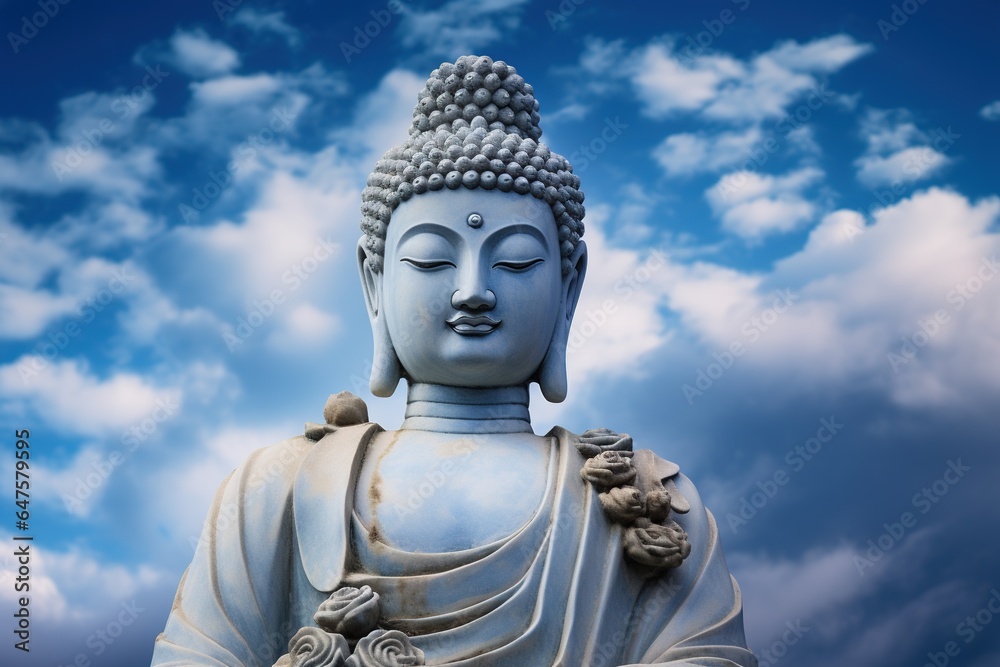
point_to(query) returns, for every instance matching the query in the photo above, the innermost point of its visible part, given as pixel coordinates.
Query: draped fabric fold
(282, 534)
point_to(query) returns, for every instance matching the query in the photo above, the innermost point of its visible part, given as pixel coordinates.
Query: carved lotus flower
(623, 504)
(657, 504)
(655, 545)
(608, 469)
(386, 648)
(598, 440)
(312, 647)
(352, 612)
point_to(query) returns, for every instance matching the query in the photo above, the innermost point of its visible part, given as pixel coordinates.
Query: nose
(472, 296)
(473, 301)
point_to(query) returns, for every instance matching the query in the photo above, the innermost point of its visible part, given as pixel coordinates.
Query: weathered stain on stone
(375, 490)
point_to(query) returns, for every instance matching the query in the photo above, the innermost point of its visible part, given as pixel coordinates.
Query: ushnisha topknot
(475, 126)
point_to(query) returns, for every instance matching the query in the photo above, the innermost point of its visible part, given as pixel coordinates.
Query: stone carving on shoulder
(659, 546)
(609, 469)
(597, 440)
(343, 409)
(634, 495)
(623, 504)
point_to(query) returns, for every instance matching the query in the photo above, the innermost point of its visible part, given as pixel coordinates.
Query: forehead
(451, 209)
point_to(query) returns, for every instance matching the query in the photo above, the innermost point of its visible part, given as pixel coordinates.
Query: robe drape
(282, 534)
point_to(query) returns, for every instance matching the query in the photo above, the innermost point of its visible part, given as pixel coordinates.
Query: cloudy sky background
(793, 229)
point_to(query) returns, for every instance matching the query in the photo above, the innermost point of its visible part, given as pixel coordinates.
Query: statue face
(472, 286)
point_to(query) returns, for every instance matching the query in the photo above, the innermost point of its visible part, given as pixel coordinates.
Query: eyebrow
(522, 229)
(430, 228)
(450, 234)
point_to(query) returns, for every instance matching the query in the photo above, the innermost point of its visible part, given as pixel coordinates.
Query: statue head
(472, 260)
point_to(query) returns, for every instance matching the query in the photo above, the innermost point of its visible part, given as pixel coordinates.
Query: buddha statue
(462, 538)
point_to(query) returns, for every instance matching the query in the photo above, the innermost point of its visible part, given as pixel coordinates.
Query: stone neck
(471, 410)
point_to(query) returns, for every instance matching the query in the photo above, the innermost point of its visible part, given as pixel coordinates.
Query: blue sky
(792, 293)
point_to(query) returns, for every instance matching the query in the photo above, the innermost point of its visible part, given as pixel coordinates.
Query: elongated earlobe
(386, 369)
(552, 373)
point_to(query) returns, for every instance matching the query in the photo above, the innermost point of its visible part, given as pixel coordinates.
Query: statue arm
(231, 602)
(693, 616)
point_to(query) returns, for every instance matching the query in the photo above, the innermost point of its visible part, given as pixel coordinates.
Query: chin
(475, 370)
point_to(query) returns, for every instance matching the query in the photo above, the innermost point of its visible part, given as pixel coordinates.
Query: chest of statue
(433, 493)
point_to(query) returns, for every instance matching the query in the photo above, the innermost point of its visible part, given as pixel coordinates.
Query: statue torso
(433, 492)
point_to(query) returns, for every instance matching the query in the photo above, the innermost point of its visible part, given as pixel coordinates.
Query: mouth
(473, 325)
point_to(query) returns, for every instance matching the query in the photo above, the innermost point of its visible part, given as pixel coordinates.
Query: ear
(386, 369)
(552, 373)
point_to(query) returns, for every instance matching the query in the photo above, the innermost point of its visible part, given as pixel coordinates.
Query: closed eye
(518, 266)
(427, 265)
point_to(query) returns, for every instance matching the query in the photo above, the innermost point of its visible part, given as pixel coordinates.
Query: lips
(473, 325)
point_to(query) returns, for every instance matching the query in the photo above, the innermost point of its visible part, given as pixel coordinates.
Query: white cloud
(27, 312)
(235, 90)
(782, 590)
(765, 91)
(768, 215)
(569, 112)
(721, 87)
(753, 205)
(306, 326)
(73, 586)
(73, 400)
(28, 257)
(906, 165)
(841, 327)
(100, 118)
(898, 152)
(689, 153)
(104, 170)
(802, 140)
(861, 291)
(382, 117)
(631, 219)
(617, 321)
(600, 58)
(709, 297)
(269, 22)
(77, 285)
(253, 111)
(295, 238)
(666, 85)
(150, 311)
(692, 153)
(94, 149)
(827, 54)
(68, 487)
(458, 27)
(199, 56)
(107, 225)
(888, 130)
(296, 220)
(991, 111)
(602, 62)
(820, 591)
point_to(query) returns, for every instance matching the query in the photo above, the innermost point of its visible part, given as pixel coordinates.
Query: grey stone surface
(463, 538)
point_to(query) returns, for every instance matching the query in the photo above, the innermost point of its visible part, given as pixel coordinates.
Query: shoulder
(275, 466)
